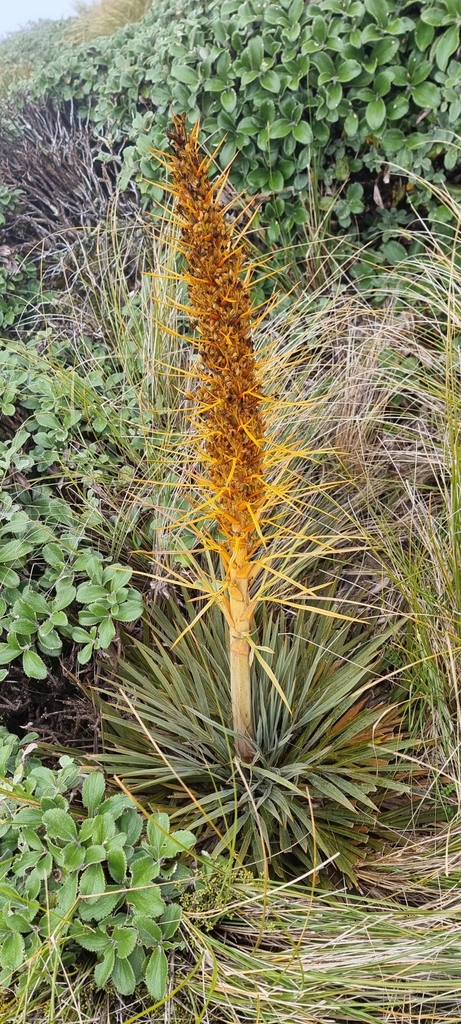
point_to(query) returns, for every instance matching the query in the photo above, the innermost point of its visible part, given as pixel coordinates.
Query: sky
(15, 14)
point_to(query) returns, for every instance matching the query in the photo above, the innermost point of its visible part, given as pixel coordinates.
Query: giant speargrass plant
(245, 482)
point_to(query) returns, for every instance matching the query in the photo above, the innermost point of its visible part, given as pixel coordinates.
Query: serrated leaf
(103, 971)
(67, 894)
(131, 823)
(125, 940)
(143, 870)
(156, 974)
(255, 51)
(60, 825)
(271, 81)
(116, 862)
(73, 857)
(184, 73)
(146, 901)
(12, 951)
(123, 977)
(170, 920)
(95, 854)
(229, 100)
(93, 941)
(446, 45)
(149, 932)
(302, 132)
(88, 592)
(129, 611)
(34, 666)
(92, 881)
(426, 95)
(93, 790)
(96, 908)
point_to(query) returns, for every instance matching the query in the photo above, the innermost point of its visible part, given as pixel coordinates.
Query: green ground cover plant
(99, 878)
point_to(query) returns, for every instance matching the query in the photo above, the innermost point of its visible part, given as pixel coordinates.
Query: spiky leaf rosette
(315, 788)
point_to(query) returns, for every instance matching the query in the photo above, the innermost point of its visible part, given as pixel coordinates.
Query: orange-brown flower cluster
(228, 414)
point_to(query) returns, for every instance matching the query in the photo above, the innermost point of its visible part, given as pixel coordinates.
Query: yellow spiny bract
(227, 416)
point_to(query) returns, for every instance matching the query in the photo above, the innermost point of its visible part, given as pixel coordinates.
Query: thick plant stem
(241, 614)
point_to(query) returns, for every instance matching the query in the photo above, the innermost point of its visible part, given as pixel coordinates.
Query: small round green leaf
(33, 665)
(271, 81)
(375, 113)
(302, 132)
(229, 100)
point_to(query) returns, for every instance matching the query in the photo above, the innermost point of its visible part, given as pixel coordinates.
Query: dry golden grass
(104, 17)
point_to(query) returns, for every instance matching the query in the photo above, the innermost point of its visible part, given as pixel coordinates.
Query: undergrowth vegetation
(229, 541)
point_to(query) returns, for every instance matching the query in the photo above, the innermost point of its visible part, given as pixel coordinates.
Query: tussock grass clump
(103, 17)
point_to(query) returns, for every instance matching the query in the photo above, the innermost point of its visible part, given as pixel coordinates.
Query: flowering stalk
(227, 417)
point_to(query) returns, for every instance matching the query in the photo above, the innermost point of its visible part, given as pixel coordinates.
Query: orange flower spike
(227, 417)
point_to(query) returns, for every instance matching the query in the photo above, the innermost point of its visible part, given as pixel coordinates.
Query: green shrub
(18, 278)
(348, 87)
(98, 878)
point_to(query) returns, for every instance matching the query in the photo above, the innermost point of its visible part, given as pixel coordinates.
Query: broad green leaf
(184, 73)
(60, 825)
(103, 971)
(116, 862)
(106, 632)
(295, 11)
(170, 920)
(156, 974)
(96, 908)
(334, 93)
(65, 594)
(302, 132)
(271, 81)
(255, 51)
(351, 125)
(12, 951)
(347, 70)
(229, 100)
(146, 901)
(375, 113)
(143, 870)
(397, 108)
(9, 651)
(67, 893)
(426, 95)
(92, 881)
(123, 977)
(149, 932)
(73, 857)
(93, 791)
(276, 181)
(88, 592)
(424, 35)
(125, 940)
(279, 129)
(129, 611)
(131, 823)
(95, 854)
(446, 45)
(34, 666)
(93, 941)
(13, 550)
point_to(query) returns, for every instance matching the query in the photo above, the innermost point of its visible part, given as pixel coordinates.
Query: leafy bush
(18, 278)
(349, 88)
(101, 878)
